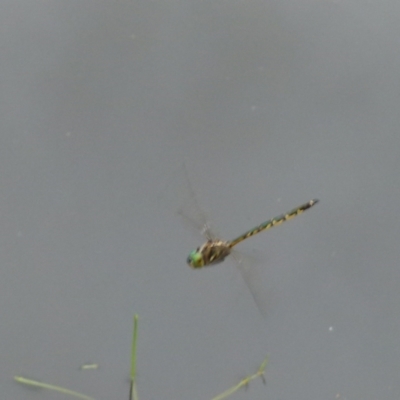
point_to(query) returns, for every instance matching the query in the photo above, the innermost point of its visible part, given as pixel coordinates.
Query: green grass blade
(133, 392)
(244, 382)
(42, 385)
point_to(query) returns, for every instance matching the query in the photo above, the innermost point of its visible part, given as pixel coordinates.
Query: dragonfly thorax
(210, 253)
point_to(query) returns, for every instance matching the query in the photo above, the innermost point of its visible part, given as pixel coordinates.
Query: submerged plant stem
(42, 385)
(133, 391)
(244, 382)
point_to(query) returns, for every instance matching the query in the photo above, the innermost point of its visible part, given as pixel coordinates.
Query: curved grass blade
(244, 382)
(31, 382)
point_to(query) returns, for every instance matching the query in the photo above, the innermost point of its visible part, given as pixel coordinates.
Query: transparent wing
(199, 217)
(203, 228)
(248, 267)
(181, 197)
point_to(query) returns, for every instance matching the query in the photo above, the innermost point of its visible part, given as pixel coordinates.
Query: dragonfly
(214, 251)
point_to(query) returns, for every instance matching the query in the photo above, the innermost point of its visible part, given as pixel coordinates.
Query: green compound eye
(195, 259)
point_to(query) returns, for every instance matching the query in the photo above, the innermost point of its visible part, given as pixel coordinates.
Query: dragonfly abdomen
(273, 222)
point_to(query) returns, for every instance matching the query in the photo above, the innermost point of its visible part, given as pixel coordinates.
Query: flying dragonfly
(214, 251)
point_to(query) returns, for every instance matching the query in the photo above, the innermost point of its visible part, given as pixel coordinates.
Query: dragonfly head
(195, 259)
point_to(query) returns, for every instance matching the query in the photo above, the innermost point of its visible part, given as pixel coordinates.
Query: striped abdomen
(273, 222)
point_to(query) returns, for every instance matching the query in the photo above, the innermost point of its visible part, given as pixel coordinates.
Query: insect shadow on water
(214, 250)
